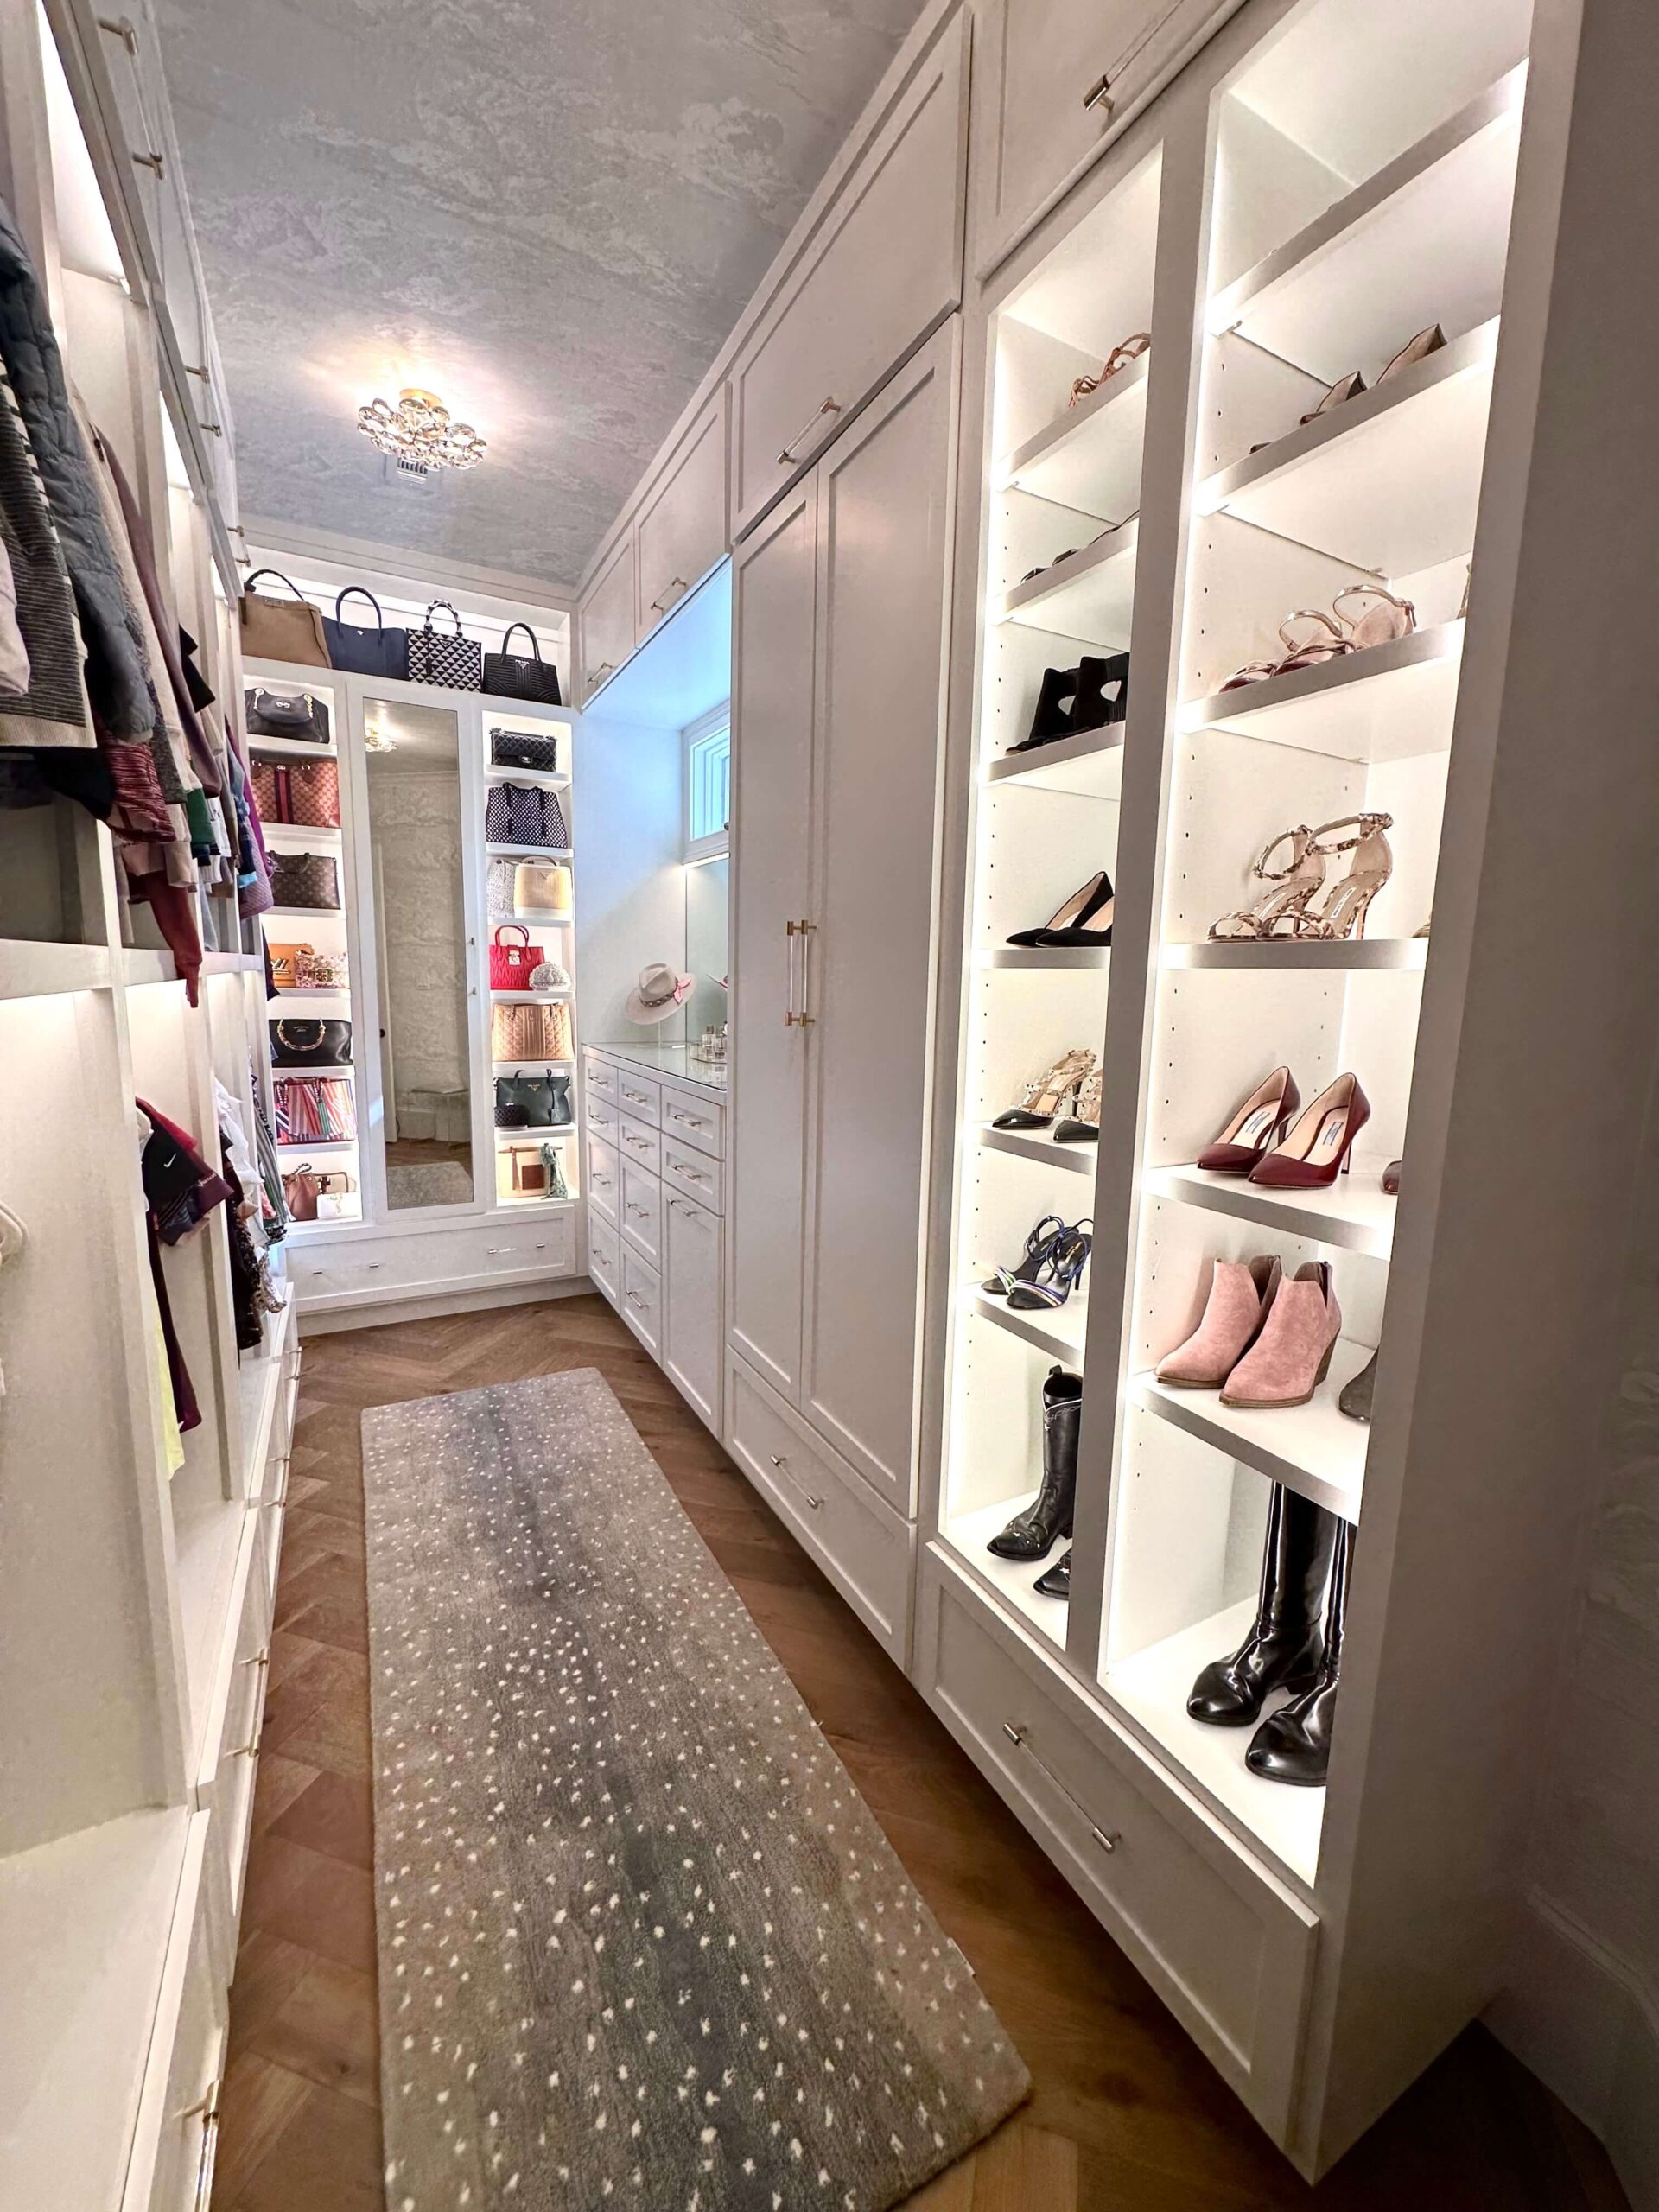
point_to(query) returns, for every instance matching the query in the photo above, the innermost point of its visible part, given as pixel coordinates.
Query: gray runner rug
(641, 1943)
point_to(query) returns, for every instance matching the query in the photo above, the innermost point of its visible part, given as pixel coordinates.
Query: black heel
(1055, 708)
(1092, 709)
(1086, 919)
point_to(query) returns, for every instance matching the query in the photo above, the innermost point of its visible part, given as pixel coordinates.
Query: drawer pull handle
(118, 27)
(783, 1467)
(675, 586)
(1017, 1735)
(602, 1182)
(1099, 94)
(207, 2112)
(788, 457)
(690, 1173)
(259, 1658)
(639, 1302)
(641, 1213)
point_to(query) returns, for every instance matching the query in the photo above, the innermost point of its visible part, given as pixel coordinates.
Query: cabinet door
(607, 618)
(885, 265)
(692, 1350)
(884, 516)
(773, 626)
(682, 530)
(1051, 77)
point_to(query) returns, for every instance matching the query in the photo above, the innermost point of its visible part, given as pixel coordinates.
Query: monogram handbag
(273, 714)
(305, 880)
(305, 793)
(511, 964)
(511, 675)
(542, 888)
(524, 814)
(439, 656)
(281, 629)
(519, 749)
(521, 1030)
(378, 652)
(533, 1101)
(310, 1044)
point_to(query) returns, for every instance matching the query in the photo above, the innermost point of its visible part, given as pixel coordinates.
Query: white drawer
(883, 268)
(604, 1180)
(604, 1254)
(639, 1097)
(602, 1118)
(642, 1211)
(601, 1077)
(432, 1261)
(642, 1300)
(861, 1543)
(693, 1173)
(639, 1145)
(1226, 1946)
(694, 1120)
(179, 2099)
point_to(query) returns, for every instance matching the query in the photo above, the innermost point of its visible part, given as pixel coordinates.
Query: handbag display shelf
(450, 659)
(295, 726)
(525, 818)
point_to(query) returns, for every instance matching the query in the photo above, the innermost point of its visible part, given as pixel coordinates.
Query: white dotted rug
(641, 1943)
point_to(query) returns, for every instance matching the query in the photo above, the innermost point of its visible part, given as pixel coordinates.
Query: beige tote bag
(541, 887)
(281, 629)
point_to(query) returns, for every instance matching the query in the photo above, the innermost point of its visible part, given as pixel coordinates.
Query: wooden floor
(1126, 2115)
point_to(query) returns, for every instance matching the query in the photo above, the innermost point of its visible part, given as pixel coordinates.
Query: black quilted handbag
(437, 656)
(516, 749)
(310, 1044)
(526, 816)
(516, 676)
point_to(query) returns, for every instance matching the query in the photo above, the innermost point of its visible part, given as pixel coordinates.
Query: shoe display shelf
(1305, 200)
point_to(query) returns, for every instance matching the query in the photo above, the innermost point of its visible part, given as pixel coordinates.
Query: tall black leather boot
(1092, 709)
(1294, 1744)
(1031, 1535)
(1285, 1649)
(1052, 715)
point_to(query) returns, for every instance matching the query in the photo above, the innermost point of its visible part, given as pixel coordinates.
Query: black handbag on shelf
(517, 749)
(435, 657)
(526, 816)
(310, 1044)
(533, 1101)
(310, 880)
(378, 652)
(273, 714)
(513, 676)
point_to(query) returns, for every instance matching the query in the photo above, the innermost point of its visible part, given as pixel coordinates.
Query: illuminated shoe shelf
(1058, 1331)
(1313, 1449)
(1038, 1145)
(1356, 1214)
(1091, 595)
(1012, 1579)
(1090, 458)
(1390, 702)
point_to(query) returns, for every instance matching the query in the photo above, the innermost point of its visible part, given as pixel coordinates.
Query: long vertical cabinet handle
(788, 974)
(801, 1019)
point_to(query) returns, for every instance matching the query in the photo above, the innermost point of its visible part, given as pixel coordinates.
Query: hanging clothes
(117, 680)
(180, 1186)
(50, 709)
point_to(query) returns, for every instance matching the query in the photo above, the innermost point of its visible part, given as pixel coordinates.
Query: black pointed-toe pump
(1086, 919)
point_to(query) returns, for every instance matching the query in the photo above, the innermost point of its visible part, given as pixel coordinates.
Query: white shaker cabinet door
(1051, 78)
(693, 1354)
(607, 619)
(772, 633)
(883, 571)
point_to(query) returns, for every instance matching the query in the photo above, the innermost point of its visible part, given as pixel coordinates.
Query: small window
(709, 790)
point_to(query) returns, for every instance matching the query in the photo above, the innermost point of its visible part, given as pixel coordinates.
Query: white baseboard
(385, 1315)
(1588, 2024)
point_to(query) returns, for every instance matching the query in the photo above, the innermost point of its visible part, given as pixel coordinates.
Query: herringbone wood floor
(1126, 2116)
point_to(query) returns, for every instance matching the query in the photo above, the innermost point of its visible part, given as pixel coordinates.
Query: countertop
(656, 1057)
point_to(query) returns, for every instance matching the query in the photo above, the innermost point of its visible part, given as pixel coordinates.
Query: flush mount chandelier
(417, 433)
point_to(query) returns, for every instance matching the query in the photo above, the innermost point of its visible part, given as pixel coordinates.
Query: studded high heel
(1293, 887)
(1341, 913)
(1081, 1124)
(1044, 1095)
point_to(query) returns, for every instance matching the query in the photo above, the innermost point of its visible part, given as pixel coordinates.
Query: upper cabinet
(683, 524)
(1052, 80)
(607, 618)
(881, 268)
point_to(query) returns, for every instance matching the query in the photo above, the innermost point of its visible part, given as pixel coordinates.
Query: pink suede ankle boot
(1240, 1296)
(1288, 1360)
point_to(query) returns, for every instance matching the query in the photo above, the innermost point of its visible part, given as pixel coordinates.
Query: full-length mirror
(413, 756)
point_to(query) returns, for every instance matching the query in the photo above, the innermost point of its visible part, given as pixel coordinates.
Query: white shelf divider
(1365, 955)
(1091, 595)
(1033, 956)
(1038, 1145)
(1089, 764)
(1012, 1579)
(1059, 1333)
(1355, 1215)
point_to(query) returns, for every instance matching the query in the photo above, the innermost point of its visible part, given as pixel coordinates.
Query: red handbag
(305, 793)
(511, 964)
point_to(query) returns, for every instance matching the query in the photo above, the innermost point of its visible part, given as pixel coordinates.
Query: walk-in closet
(826, 1186)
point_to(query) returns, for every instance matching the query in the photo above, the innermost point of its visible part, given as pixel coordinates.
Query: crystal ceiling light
(418, 435)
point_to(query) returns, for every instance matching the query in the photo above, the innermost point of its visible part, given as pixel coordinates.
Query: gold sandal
(1293, 887)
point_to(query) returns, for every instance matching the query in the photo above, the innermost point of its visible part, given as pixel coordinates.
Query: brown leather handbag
(281, 629)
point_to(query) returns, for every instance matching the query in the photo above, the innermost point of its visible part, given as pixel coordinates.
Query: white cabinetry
(655, 1232)
(882, 269)
(683, 528)
(606, 620)
(840, 600)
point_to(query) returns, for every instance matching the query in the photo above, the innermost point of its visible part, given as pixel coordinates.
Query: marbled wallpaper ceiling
(551, 214)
